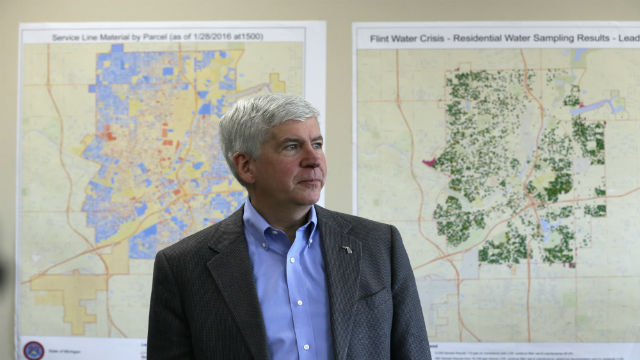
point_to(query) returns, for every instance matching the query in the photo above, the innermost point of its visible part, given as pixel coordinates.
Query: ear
(244, 166)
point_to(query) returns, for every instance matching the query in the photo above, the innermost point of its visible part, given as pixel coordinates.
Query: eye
(317, 145)
(291, 147)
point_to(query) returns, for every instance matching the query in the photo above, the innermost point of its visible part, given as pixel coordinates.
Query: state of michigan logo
(33, 350)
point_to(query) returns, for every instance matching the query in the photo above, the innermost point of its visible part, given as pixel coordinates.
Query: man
(283, 278)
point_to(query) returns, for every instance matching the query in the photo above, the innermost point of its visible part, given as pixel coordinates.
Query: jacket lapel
(342, 266)
(231, 269)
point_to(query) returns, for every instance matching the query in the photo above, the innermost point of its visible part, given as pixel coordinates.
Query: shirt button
(264, 245)
(292, 260)
(299, 302)
(310, 241)
(274, 232)
(306, 346)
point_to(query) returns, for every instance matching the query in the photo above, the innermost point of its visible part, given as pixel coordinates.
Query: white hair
(245, 127)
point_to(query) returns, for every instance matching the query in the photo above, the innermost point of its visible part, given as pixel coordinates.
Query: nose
(312, 156)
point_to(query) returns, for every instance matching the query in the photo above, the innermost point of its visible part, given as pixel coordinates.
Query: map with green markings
(514, 177)
(485, 113)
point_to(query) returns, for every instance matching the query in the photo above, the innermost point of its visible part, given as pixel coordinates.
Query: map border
(311, 33)
(439, 35)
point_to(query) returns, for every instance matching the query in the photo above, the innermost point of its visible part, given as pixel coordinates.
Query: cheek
(323, 166)
(286, 171)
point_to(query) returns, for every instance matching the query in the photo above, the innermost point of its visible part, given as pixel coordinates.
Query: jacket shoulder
(353, 222)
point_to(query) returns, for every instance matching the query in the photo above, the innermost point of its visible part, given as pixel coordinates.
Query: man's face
(291, 168)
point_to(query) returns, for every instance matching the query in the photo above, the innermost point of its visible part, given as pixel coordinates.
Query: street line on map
(398, 103)
(70, 180)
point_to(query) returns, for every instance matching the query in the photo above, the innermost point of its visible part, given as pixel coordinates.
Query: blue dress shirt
(290, 279)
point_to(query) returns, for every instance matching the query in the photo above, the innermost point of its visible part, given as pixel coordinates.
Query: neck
(285, 219)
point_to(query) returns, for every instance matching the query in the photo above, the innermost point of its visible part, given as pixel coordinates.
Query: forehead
(295, 128)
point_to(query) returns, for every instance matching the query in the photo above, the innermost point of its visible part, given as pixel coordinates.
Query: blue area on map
(179, 223)
(207, 56)
(141, 208)
(220, 103)
(112, 105)
(596, 106)
(99, 197)
(547, 227)
(220, 203)
(229, 82)
(144, 244)
(579, 53)
(124, 78)
(205, 109)
(93, 151)
(116, 68)
(237, 197)
(223, 203)
(214, 168)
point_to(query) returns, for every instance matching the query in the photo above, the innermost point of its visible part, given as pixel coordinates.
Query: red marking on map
(430, 163)
(106, 135)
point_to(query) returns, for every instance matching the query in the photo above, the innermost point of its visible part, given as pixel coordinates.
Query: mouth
(310, 181)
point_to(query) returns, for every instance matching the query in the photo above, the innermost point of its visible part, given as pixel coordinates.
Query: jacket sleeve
(168, 336)
(408, 331)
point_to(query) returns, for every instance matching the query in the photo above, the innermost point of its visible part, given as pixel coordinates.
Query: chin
(309, 199)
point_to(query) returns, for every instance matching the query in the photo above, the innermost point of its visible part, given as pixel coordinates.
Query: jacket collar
(230, 266)
(342, 254)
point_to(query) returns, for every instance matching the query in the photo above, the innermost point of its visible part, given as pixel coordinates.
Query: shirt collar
(258, 226)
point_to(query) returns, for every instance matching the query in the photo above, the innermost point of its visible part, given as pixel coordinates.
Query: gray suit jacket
(204, 303)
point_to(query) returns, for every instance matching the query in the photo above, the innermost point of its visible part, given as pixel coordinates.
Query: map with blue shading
(155, 183)
(120, 159)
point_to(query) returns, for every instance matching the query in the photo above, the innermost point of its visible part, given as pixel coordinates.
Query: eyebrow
(300, 140)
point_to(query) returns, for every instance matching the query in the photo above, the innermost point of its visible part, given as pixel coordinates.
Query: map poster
(507, 155)
(119, 157)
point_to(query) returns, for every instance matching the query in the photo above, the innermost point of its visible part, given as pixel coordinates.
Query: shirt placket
(298, 298)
